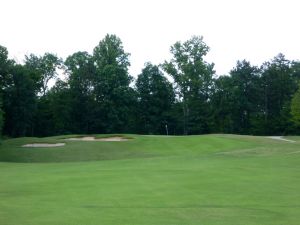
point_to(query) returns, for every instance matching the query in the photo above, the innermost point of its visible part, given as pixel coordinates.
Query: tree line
(180, 96)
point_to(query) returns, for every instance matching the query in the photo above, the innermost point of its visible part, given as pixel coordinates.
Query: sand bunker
(280, 138)
(98, 139)
(43, 145)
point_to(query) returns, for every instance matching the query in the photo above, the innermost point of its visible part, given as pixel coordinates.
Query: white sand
(112, 139)
(43, 145)
(280, 138)
(81, 139)
(97, 139)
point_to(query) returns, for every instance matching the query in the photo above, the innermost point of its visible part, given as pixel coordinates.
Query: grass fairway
(194, 180)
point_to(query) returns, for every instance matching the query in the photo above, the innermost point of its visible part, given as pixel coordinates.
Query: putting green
(209, 179)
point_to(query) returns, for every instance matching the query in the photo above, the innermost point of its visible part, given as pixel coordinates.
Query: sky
(255, 30)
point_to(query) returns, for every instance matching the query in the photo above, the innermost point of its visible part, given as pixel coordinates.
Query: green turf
(203, 180)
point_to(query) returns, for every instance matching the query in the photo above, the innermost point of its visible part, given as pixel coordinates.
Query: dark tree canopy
(94, 93)
(193, 81)
(45, 67)
(20, 102)
(295, 108)
(81, 75)
(4, 67)
(278, 86)
(155, 100)
(113, 95)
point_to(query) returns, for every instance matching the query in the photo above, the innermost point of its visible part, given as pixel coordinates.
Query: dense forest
(181, 96)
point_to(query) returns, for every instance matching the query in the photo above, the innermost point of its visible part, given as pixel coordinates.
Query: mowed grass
(209, 180)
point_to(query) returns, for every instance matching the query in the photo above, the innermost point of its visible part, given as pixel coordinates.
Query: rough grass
(210, 180)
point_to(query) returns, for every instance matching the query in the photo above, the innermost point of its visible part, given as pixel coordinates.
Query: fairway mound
(90, 138)
(43, 145)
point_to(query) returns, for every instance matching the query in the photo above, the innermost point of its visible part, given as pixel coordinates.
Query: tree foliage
(1, 116)
(295, 107)
(4, 67)
(98, 95)
(114, 97)
(45, 67)
(155, 100)
(81, 76)
(278, 85)
(193, 81)
(20, 102)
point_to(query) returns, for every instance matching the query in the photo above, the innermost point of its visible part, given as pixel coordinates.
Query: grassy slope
(212, 179)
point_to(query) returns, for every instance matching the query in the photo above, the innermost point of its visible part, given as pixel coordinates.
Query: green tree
(4, 66)
(246, 94)
(1, 117)
(192, 76)
(81, 74)
(20, 102)
(45, 69)
(45, 66)
(279, 85)
(114, 97)
(222, 104)
(295, 107)
(155, 100)
(60, 99)
(296, 70)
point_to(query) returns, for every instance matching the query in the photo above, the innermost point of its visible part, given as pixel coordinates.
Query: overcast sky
(255, 30)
